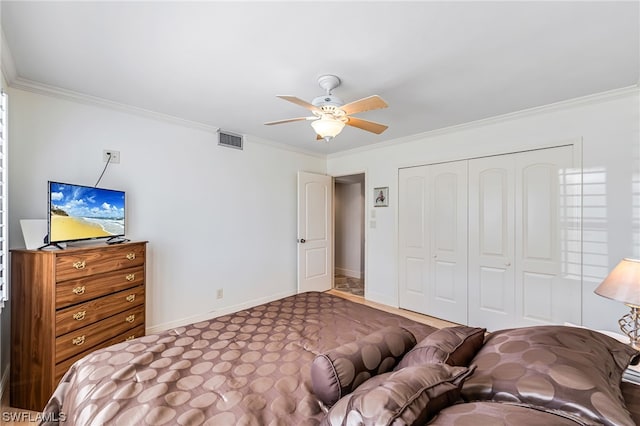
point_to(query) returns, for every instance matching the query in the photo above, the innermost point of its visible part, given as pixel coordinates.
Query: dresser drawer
(84, 289)
(78, 316)
(77, 341)
(64, 366)
(89, 262)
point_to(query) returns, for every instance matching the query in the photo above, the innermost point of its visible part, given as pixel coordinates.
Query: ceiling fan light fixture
(327, 127)
(331, 114)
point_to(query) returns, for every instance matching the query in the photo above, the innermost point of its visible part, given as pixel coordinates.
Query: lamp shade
(327, 127)
(623, 283)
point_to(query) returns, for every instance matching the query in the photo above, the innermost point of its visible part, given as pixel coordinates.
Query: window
(4, 229)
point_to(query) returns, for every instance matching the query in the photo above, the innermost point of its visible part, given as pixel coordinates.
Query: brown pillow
(495, 413)
(410, 396)
(340, 370)
(451, 345)
(555, 368)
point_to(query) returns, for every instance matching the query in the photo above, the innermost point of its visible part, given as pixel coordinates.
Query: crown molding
(8, 69)
(44, 89)
(56, 92)
(8, 64)
(529, 112)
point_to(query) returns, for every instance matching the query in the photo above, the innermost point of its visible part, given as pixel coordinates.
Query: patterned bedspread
(248, 368)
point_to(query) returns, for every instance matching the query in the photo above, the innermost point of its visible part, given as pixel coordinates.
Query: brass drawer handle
(80, 264)
(131, 277)
(78, 341)
(79, 290)
(130, 318)
(131, 298)
(131, 256)
(133, 336)
(79, 316)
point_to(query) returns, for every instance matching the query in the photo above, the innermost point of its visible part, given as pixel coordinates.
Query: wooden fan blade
(300, 102)
(289, 120)
(369, 126)
(364, 104)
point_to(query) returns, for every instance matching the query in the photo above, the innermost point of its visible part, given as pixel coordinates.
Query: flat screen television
(79, 212)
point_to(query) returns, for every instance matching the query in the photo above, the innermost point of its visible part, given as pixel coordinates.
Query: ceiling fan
(331, 114)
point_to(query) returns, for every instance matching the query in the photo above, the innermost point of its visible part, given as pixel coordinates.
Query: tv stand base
(117, 240)
(52, 245)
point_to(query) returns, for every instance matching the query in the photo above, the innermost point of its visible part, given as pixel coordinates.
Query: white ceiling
(436, 64)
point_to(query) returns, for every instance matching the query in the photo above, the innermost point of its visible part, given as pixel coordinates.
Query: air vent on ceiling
(229, 139)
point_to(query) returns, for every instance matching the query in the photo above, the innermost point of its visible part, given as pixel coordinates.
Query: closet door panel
(539, 212)
(415, 279)
(493, 286)
(413, 239)
(548, 294)
(491, 241)
(447, 297)
(537, 296)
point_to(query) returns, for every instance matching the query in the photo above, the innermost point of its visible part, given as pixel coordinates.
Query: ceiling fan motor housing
(327, 100)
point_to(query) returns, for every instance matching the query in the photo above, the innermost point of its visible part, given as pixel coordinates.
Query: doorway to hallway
(349, 220)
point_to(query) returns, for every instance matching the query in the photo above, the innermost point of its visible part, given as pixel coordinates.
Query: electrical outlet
(115, 156)
(220, 293)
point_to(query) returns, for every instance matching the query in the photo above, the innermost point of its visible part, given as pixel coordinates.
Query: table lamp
(623, 284)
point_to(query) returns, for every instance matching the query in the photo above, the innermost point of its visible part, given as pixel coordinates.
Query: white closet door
(545, 288)
(447, 285)
(413, 239)
(491, 242)
(523, 216)
(433, 240)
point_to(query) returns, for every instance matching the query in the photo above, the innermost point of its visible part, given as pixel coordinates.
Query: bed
(314, 358)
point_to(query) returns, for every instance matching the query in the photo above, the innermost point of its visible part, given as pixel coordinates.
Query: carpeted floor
(351, 285)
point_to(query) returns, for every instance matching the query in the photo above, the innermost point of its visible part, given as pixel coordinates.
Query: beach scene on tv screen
(79, 212)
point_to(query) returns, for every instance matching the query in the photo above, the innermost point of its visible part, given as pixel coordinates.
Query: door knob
(302, 240)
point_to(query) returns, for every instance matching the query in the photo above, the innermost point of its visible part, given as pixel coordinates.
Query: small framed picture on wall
(381, 197)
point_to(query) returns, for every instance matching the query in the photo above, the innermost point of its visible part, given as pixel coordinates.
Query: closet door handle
(507, 264)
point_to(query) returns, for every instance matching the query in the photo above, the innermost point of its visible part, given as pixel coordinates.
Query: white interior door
(447, 286)
(433, 240)
(413, 239)
(545, 288)
(491, 242)
(315, 233)
(524, 216)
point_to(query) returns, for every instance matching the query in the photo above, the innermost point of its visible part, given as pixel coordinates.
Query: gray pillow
(342, 369)
(559, 369)
(451, 345)
(411, 396)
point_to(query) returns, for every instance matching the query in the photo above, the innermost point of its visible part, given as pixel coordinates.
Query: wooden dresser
(66, 304)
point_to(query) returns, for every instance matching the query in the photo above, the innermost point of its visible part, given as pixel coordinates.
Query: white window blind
(4, 229)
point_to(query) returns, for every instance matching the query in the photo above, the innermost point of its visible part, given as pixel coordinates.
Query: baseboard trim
(217, 313)
(348, 273)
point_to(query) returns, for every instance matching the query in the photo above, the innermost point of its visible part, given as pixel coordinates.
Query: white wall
(607, 125)
(349, 204)
(221, 218)
(214, 217)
